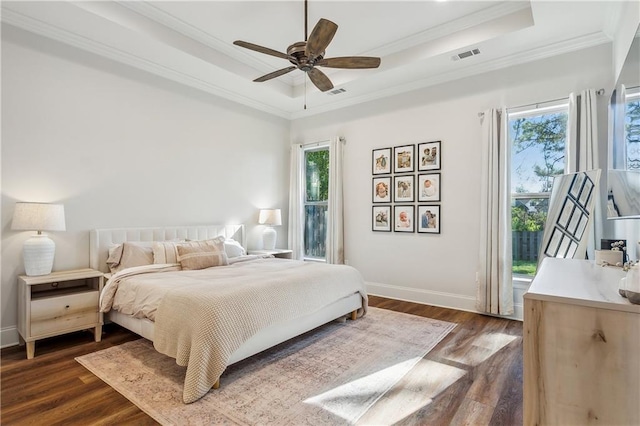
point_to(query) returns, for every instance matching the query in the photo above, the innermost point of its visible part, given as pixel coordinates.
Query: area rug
(329, 376)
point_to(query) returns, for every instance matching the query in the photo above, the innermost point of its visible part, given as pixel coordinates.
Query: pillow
(129, 254)
(233, 248)
(167, 251)
(201, 255)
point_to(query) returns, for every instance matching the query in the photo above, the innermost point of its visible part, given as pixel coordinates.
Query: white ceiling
(191, 42)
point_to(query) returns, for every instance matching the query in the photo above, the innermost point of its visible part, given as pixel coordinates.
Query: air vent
(337, 91)
(464, 55)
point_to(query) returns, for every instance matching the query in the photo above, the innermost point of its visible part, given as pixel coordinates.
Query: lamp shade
(271, 217)
(38, 217)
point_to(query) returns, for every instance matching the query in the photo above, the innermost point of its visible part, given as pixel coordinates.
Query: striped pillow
(201, 256)
(167, 251)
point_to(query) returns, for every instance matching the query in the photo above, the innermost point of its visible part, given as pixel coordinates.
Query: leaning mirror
(570, 212)
(623, 178)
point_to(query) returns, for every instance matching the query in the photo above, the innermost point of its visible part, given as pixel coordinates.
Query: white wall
(121, 148)
(440, 269)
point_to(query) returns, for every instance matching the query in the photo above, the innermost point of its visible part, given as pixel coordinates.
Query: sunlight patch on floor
(357, 399)
(480, 348)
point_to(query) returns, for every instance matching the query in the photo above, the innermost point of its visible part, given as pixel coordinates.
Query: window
(632, 129)
(538, 152)
(316, 197)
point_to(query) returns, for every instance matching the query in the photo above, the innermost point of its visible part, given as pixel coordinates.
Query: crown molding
(50, 31)
(150, 11)
(540, 53)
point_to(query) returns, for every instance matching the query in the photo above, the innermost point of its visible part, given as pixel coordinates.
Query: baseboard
(9, 337)
(441, 299)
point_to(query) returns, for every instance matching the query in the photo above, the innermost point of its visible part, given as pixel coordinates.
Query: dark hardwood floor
(478, 365)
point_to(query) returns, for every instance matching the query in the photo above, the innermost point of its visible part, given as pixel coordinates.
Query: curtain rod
(599, 92)
(340, 138)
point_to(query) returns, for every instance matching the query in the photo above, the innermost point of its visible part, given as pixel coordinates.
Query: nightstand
(58, 303)
(281, 253)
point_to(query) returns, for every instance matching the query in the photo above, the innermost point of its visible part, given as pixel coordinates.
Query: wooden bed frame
(102, 239)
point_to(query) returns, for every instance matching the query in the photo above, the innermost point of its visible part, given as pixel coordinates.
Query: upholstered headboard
(101, 239)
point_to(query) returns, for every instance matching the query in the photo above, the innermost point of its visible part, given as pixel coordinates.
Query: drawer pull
(66, 307)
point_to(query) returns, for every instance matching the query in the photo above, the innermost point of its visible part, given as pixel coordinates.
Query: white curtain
(583, 151)
(335, 223)
(296, 204)
(495, 286)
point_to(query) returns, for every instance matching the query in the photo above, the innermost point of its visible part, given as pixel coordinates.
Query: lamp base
(38, 253)
(269, 237)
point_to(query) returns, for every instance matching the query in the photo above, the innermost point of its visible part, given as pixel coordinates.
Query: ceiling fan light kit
(309, 54)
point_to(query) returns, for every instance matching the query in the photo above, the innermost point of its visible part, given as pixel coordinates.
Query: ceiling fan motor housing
(298, 57)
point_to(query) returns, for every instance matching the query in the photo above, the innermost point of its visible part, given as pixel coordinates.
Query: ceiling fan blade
(320, 80)
(350, 62)
(260, 49)
(320, 37)
(275, 74)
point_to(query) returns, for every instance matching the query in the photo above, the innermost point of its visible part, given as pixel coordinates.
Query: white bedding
(142, 291)
(248, 295)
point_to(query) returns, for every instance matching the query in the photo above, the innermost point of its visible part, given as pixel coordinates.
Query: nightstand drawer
(56, 314)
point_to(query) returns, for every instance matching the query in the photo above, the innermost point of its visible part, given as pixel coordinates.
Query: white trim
(9, 337)
(441, 299)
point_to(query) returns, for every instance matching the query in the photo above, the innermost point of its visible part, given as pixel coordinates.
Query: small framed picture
(585, 194)
(429, 155)
(429, 219)
(381, 221)
(429, 187)
(381, 161)
(403, 160)
(403, 189)
(403, 219)
(381, 190)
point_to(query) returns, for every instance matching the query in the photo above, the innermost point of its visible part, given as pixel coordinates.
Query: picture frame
(428, 187)
(429, 156)
(381, 219)
(403, 158)
(429, 219)
(404, 189)
(381, 189)
(403, 218)
(381, 161)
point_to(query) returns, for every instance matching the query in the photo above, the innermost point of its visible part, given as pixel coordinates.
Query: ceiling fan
(309, 54)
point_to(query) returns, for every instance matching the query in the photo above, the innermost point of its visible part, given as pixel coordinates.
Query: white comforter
(202, 317)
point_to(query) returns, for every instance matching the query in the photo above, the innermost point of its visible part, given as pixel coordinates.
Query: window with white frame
(315, 199)
(539, 145)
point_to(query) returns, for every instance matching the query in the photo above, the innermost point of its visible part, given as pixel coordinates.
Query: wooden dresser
(581, 347)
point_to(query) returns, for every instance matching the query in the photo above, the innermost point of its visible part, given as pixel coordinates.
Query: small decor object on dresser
(429, 187)
(403, 158)
(429, 156)
(429, 219)
(382, 161)
(403, 187)
(381, 190)
(381, 220)
(403, 218)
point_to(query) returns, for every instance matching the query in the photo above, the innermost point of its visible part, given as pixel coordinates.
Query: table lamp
(271, 218)
(39, 250)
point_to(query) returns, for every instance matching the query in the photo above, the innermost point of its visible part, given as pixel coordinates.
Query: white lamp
(270, 217)
(38, 250)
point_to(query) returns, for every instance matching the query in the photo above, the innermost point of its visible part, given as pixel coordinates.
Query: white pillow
(233, 248)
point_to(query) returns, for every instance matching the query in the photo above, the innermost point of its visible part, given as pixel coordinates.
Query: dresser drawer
(52, 315)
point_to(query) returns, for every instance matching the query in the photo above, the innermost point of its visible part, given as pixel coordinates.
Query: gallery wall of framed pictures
(406, 188)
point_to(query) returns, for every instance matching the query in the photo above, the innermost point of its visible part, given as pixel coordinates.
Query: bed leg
(216, 385)
(354, 315)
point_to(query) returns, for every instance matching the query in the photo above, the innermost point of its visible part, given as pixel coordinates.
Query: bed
(259, 301)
